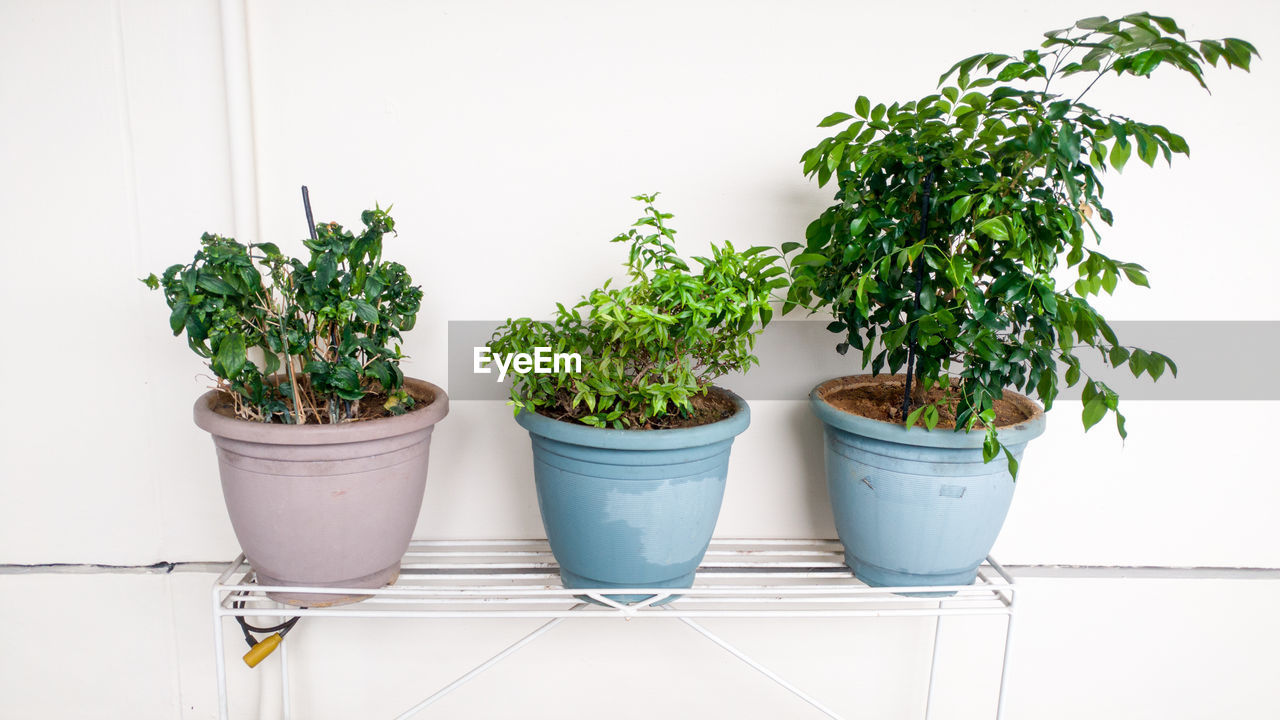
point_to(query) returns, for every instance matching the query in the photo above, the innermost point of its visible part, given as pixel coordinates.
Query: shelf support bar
(477, 670)
(759, 668)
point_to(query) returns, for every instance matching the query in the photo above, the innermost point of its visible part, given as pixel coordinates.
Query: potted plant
(956, 219)
(322, 442)
(630, 438)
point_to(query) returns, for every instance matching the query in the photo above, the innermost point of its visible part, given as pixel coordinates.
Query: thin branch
(1095, 80)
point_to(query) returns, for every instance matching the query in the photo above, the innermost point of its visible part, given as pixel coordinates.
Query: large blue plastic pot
(630, 508)
(915, 507)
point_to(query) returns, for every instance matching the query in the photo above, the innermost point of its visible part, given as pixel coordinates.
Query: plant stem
(299, 414)
(911, 334)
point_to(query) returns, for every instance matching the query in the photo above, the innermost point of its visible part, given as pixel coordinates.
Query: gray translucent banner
(1217, 360)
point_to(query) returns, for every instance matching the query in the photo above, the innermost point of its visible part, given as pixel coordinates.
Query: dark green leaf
(1092, 23)
(995, 228)
(1120, 154)
(326, 270)
(214, 284)
(178, 318)
(366, 312)
(1135, 275)
(1094, 410)
(231, 355)
(834, 119)
(813, 259)
(1011, 464)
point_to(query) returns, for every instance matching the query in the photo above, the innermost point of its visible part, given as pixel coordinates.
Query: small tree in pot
(631, 448)
(322, 442)
(955, 216)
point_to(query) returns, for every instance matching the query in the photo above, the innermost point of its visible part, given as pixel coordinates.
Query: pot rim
(1018, 434)
(312, 434)
(613, 439)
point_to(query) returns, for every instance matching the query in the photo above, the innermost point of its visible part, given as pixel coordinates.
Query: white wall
(510, 136)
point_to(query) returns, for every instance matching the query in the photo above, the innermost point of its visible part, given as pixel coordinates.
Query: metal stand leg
(1008, 598)
(933, 665)
(760, 668)
(1004, 665)
(220, 659)
(484, 666)
(285, 710)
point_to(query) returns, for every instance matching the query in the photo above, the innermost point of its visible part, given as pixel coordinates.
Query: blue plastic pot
(915, 507)
(630, 508)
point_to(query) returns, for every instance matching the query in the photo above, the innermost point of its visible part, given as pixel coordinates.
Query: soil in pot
(882, 400)
(712, 407)
(372, 407)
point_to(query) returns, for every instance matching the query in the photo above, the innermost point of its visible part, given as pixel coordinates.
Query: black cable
(248, 629)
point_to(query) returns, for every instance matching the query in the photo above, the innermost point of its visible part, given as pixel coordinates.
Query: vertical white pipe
(239, 91)
(244, 190)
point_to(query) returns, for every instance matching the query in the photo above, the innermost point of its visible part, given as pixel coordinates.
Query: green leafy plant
(293, 341)
(650, 347)
(956, 213)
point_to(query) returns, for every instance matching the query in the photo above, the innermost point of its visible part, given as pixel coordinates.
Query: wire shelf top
(520, 579)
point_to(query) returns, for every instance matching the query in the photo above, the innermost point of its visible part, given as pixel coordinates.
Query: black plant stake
(911, 343)
(339, 405)
(306, 203)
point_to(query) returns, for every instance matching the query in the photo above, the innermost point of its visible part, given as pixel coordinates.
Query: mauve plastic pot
(324, 505)
(630, 508)
(916, 507)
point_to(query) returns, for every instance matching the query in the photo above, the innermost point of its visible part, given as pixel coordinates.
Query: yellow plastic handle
(260, 651)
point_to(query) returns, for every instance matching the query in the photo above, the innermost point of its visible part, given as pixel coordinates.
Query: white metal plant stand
(520, 579)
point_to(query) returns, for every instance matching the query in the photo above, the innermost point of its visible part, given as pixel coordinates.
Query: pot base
(573, 582)
(875, 576)
(382, 578)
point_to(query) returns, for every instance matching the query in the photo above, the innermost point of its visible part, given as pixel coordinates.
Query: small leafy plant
(649, 348)
(956, 213)
(293, 341)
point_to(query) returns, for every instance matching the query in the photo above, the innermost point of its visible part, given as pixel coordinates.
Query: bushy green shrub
(956, 213)
(648, 348)
(325, 331)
